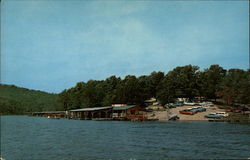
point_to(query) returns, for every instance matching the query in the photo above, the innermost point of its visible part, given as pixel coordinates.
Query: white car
(223, 114)
(189, 104)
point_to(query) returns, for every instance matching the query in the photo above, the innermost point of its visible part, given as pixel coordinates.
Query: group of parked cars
(174, 105)
(202, 108)
(191, 111)
(238, 109)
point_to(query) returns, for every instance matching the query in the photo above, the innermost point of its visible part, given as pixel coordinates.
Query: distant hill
(16, 100)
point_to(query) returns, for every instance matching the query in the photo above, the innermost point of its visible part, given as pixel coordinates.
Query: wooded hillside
(15, 100)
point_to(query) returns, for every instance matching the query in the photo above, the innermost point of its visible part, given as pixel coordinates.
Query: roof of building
(90, 109)
(45, 112)
(123, 108)
(150, 100)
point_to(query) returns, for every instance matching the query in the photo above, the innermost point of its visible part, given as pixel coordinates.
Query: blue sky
(51, 45)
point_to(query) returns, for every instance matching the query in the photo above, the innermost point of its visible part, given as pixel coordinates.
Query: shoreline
(161, 121)
(164, 115)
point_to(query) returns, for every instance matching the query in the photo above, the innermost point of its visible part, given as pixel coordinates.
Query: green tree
(235, 87)
(212, 79)
(180, 82)
(110, 86)
(129, 91)
(166, 92)
(155, 79)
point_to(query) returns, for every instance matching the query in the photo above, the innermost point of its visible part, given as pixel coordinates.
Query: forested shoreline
(231, 86)
(214, 83)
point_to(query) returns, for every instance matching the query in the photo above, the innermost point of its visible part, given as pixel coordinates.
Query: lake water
(37, 138)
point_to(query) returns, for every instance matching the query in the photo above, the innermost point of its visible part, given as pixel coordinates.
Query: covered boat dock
(54, 114)
(96, 113)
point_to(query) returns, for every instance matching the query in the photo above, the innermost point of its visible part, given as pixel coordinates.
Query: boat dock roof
(90, 109)
(47, 112)
(123, 108)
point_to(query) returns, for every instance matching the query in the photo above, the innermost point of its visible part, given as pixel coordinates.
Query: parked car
(191, 111)
(223, 114)
(210, 103)
(244, 108)
(238, 108)
(186, 111)
(189, 103)
(198, 109)
(206, 104)
(179, 104)
(173, 105)
(213, 115)
(201, 109)
(234, 109)
(194, 110)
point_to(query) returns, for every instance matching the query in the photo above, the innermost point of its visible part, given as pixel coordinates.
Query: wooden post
(82, 115)
(106, 114)
(85, 115)
(78, 115)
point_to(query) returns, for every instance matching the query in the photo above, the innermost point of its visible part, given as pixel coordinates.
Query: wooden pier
(54, 114)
